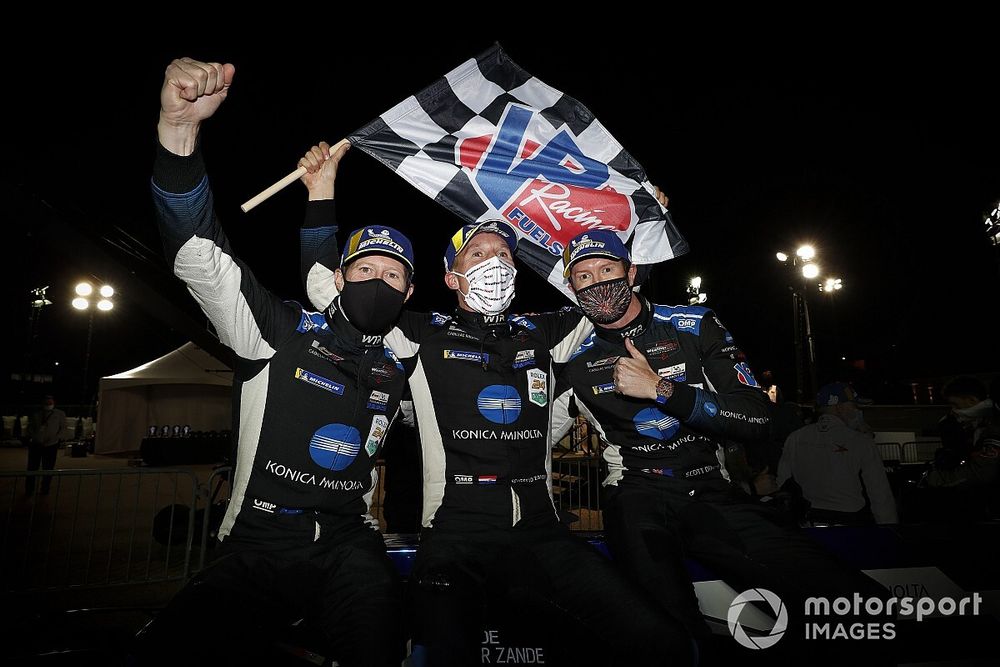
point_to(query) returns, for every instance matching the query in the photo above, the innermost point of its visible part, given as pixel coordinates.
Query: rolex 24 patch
(538, 387)
(380, 424)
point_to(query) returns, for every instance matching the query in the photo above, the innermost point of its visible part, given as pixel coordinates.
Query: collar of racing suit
(636, 327)
(347, 334)
(478, 321)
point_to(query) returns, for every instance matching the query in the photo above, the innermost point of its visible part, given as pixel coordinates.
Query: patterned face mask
(605, 302)
(491, 286)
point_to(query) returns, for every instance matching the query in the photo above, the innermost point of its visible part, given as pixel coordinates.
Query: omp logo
(757, 641)
(686, 324)
(463, 479)
(264, 505)
(385, 233)
(544, 183)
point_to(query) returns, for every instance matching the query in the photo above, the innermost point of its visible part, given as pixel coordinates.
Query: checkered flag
(490, 141)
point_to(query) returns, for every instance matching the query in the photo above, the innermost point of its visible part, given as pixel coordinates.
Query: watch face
(664, 388)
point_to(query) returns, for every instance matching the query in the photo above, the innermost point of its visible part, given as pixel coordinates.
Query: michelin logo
(319, 381)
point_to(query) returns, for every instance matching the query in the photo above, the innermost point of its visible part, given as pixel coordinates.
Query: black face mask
(605, 302)
(372, 306)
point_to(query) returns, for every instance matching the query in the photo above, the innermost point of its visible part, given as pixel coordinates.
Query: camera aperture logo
(777, 609)
(856, 618)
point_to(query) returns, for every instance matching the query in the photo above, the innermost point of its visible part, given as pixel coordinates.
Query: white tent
(187, 386)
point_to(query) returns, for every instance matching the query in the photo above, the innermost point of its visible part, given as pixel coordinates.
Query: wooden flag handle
(283, 183)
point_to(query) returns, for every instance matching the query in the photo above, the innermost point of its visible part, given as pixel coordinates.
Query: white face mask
(491, 286)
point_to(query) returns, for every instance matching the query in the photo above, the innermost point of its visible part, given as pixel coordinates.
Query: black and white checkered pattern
(418, 139)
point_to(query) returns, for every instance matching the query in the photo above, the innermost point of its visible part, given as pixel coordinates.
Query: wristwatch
(664, 390)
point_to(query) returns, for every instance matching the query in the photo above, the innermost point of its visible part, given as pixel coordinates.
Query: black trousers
(548, 584)
(46, 456)
(651, 527)
(234, 611)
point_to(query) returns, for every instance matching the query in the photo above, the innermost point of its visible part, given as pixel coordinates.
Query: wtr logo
(777, 609)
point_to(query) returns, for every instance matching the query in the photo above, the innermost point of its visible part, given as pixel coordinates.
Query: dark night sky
(883, 155)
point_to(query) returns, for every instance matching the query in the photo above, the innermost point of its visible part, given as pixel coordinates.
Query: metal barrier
(920, 452)
(96, 527)
(142, 525)
(889, 451)
(576, 489)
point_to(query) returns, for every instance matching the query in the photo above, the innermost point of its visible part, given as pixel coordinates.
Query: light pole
(39, 301)
(84, 293)
(805, 361)
(695, 295)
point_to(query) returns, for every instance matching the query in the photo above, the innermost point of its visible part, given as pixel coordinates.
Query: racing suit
(481, 389)
(312, 401)
(668, 494)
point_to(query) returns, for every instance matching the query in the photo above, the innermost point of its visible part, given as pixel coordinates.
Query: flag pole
(283, 183)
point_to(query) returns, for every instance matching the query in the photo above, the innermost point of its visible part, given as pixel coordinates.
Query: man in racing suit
(313, 396)
(666, 387)
(481, 382)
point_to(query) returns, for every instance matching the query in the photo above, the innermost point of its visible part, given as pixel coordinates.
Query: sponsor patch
(538, 387)
(456, 332)
(686, 323)
(499, 403)
(310, 321)
(321, 352)
(605, 364)
(378, 400)
(637, 330)
(522, 321)
(606, 388)
(676, 372)
(319, 381)
(271, 508)
(380, 424)
(382, 371)
(465, 355)
(438, 320)
(463, 479)
(744, 375)
(662, 349)
(711, 409)
(335, 446)
(524, 358)
(652, 423)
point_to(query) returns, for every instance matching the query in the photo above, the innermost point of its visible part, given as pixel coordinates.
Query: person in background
(46, 430)
(836, 464)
